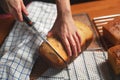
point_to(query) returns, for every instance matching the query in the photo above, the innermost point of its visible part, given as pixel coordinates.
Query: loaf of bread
(114, 58)
(50, 56)
(111, 31)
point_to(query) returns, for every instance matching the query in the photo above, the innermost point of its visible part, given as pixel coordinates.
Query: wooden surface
(6, 23)
(97, 8)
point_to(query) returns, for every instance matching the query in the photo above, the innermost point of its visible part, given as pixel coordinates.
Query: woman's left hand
(64, 28)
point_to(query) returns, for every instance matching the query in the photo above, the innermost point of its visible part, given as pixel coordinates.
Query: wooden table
(97, 8)
(6, 23)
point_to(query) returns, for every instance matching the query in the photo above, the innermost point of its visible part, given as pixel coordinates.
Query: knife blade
(40, 35)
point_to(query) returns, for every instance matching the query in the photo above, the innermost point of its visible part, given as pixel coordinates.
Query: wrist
(65, 14)
(63, 8)
(65, 18)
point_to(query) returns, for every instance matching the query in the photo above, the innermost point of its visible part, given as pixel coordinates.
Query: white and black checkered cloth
(19, 52)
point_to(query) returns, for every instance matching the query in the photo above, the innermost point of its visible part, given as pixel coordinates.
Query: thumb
(50, 33)
(23, 8)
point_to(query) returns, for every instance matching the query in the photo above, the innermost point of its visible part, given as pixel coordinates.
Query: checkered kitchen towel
(19, 52)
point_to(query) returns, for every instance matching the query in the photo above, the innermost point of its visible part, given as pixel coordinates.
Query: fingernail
(21, 20)
(70, 55)
(27, 13)
(76, 55)
(80, 50)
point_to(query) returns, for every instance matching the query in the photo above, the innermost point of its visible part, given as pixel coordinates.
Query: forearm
(63, 8)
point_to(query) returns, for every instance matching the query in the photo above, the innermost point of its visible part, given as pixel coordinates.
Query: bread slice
(114, 58)
(111, 31)
(50, 56)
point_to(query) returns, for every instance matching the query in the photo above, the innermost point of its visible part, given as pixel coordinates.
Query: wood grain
(6, 24)
(97, 8)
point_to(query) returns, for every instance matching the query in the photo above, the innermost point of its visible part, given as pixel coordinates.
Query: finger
(79, 38)
(67, 46)
(16, 11)
(77, 43)
(73, 45)
(24, 8)
(49, 34)
(19, 14)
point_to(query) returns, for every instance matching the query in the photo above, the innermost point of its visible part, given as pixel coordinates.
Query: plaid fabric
(19, 51)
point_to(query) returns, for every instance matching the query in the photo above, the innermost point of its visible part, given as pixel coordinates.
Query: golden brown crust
(111, 31)
(114, 58)
(50, 56)
(52, 59)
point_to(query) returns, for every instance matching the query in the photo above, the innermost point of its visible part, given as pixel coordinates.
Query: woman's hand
(65, 29)
(14, 7)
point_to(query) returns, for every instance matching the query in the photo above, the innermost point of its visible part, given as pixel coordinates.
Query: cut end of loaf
(52, 58)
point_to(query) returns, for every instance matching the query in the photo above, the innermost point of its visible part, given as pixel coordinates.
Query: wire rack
(99, 22)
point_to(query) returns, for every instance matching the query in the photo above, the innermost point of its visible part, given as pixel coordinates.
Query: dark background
(51, 1)
(71, 1)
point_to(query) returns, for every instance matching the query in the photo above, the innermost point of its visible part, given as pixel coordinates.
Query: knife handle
(27, 19)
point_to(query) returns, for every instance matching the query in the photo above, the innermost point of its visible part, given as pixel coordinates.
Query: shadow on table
(40, 68)
(71, 1)
(107, 71)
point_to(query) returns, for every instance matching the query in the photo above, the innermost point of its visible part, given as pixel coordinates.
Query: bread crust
(111, 31)
(50, 56)
(114, 58)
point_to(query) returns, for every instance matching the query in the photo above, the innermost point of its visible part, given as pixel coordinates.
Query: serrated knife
(40, 35)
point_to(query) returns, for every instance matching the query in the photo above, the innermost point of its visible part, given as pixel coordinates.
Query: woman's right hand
(15, 8)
